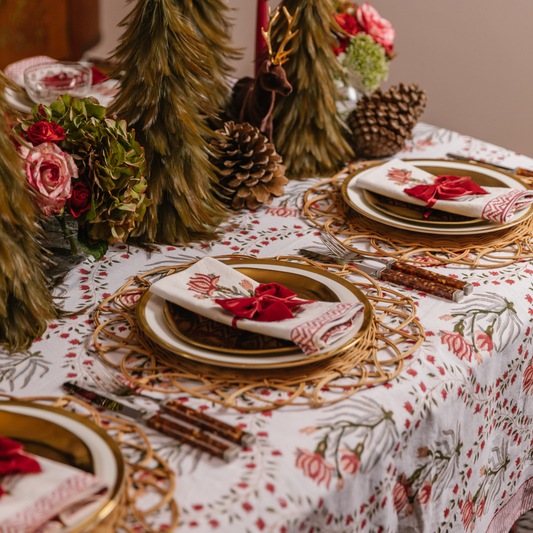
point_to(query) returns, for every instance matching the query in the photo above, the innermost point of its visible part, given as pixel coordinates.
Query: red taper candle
(260, 43)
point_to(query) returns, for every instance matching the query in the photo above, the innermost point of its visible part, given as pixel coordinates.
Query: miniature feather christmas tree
(308, 131)
(167, 95)
(25, 302)
(209, 20)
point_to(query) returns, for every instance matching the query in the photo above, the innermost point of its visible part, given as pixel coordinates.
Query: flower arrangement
(80, 163)
(368, 47)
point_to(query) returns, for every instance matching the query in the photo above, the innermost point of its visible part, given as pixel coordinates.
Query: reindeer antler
(282, 56)
(266, 34)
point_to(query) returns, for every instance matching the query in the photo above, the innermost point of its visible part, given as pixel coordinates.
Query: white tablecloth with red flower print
(446, 446)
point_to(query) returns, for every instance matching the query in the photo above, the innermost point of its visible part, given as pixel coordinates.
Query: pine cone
(384, 120)
(251, 173)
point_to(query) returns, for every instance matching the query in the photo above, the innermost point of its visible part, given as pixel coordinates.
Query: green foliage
(25, 303)
(308, 130)
(89, 246)
(368, 59)
(110, 161)
(167, 93)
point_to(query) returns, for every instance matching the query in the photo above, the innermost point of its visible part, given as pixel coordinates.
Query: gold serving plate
(210, 335)
(47, 439)
(305, 287)
(415, 213)
(440, 220)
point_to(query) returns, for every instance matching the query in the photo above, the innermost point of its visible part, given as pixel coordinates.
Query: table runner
(443, 447)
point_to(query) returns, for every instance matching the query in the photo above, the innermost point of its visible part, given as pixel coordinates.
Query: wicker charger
(377, 358)
(325, 207)
(146, 471)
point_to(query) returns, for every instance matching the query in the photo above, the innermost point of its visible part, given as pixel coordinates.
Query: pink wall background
(474, 58)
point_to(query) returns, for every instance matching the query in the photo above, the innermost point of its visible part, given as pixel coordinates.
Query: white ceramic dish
(107, 460)
(355, 198)
(151, 317)
(104, 92)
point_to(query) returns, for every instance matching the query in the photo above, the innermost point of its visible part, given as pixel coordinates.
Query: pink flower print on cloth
(317, 327)
(399, 176)
(392, 178)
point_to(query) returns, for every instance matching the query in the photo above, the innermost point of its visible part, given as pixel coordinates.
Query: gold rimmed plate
(70, 439)
(151, 316)
(210, 335)
(400, 216)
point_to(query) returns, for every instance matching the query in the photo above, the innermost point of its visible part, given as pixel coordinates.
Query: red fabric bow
(271, 302)
(445, 188)
(14, 461)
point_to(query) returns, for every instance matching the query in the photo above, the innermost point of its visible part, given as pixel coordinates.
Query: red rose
(349, 24)
(43, 131)
(80, 200)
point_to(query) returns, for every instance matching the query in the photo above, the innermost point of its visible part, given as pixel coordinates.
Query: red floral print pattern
(314, 466)
(204, 284)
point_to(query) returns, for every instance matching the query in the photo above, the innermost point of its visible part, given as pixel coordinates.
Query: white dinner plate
(151, 319)
(104, 92)
(355, 197)
(107, 460)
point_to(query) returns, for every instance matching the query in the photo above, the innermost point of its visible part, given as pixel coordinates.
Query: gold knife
(519, 170)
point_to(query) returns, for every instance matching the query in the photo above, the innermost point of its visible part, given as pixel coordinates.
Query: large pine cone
(383, 121)
(251, 173)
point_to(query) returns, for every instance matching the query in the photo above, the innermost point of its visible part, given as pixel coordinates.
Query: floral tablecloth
(446, 446)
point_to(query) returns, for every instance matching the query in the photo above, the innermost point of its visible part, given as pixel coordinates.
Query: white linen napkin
(49, 501)
(390, 179)
(317, 328)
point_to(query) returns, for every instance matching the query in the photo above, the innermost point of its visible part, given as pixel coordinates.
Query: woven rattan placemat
(146, 472)
(377, 358)
(325, 207)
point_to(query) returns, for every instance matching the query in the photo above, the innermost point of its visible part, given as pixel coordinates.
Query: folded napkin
(392, 179)
(50, 499)
(317, 327)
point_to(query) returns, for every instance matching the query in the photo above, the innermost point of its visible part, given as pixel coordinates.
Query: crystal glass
(44, 83)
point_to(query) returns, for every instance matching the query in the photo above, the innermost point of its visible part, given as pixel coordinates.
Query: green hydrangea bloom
(367, 59)
(110, 162)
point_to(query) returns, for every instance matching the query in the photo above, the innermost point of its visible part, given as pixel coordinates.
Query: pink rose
(379, 29)
(315, 466)
(50, 172)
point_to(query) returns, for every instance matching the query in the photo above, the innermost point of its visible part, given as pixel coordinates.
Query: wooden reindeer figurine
(253, 99)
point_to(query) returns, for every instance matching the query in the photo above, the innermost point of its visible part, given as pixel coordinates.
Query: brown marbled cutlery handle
(424, 285)
(194, 437)
(411, 270)
(524, 172)
(208, 423)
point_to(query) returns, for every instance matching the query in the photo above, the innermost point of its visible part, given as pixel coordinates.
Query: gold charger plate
(402, 217)
(62, 440)
(152, 321)
(210, 335)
